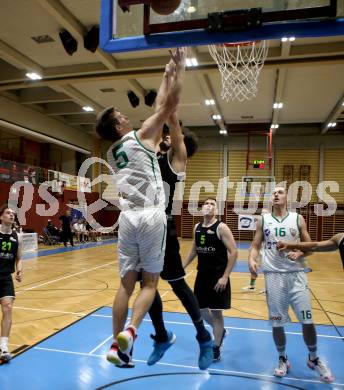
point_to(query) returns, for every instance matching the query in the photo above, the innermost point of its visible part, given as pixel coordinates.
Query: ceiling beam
(149, 72)
(81, 119)
(78, 30)
(334, 114)
(80, 98)
(18, 59)
(60, 13)
(209, 93)
(52, 109)
(41, 95)
(137, 87)
(281, 76)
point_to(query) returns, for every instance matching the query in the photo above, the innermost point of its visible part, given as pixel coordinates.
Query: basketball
(165, 7)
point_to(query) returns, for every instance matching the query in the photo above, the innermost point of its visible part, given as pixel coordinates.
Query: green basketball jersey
(137, 174)
(275, 230)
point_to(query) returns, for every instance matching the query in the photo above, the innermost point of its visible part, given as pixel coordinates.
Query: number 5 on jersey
(120, 156)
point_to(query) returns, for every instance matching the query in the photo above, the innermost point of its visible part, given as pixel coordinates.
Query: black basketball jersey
(169, 177)
(8, 252)
(341, 249)
(211, 251)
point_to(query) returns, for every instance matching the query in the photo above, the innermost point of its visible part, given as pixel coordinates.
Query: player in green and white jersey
(286, 281)
(142, 222)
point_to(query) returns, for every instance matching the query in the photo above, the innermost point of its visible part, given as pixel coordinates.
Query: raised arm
(227, 238)
(178, 154)
(253, 256)
(165, 85)
(151, 130)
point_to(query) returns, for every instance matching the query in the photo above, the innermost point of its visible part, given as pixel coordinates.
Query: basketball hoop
(239, 65)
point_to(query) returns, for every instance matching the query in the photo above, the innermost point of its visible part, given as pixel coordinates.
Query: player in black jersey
(334, 243)
(175, 148)
(217, 253)
(10, 248)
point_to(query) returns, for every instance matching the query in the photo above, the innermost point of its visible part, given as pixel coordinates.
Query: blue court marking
(242, 266)
(244, 245)
(200, 37)
(74, 359)
(47, 252)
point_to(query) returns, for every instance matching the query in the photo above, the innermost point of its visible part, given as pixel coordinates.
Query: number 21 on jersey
(6, 246)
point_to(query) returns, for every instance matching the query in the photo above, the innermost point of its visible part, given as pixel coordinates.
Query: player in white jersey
(285, 280)
(142, 222)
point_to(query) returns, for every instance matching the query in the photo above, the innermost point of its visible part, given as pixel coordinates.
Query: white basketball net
(239, 66)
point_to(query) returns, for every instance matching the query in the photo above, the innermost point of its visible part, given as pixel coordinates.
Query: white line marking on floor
(193, 367)
(65, 277)
(172, 322)
(101, 344)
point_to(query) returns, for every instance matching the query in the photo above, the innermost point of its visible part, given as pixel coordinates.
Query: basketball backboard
(131, 25)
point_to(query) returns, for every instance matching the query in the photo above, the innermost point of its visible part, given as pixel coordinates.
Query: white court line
(68, 352)
(51, 311)
(101, 344)
(194, 367)
(175, 322)
(329, 282)
(65, 277)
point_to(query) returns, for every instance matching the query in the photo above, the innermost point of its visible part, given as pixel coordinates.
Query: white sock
(4, 343)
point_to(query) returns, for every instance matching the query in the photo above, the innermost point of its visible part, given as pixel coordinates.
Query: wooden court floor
(59, 289)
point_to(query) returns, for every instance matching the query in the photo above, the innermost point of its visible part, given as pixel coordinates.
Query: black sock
(189, 301)
(155, 313)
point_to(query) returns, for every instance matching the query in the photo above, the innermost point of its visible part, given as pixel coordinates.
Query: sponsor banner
(84, 184)
(247, 222)
(30, 242)
(71, 181)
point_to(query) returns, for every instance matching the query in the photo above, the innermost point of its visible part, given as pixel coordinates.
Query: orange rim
(247, 43)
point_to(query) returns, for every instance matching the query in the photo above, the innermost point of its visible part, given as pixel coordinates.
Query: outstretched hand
(178, 55)
(170, 68)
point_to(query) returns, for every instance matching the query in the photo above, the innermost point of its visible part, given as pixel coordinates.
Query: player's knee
(6, 307)
(179, 285)
(149, 280)
(217, 314)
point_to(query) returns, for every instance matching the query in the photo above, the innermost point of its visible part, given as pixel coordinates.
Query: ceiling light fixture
(33, 76)
(209, 102)
(191, 62)
(278, 105)
(88, 108)
(290, 39)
